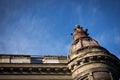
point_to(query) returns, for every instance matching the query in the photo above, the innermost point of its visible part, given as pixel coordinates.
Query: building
(87, 60)
(26, 67)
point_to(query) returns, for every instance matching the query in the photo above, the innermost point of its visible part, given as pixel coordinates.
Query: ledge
(34, 69)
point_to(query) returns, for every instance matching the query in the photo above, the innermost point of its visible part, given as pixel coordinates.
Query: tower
(89, 61)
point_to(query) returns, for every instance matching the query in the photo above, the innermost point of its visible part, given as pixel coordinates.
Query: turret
(89, 61)
(81, 39)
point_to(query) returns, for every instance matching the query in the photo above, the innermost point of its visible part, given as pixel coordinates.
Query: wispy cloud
(110, 41)
(41, 27)
(32, 36)
(102, 38)
(117, 39)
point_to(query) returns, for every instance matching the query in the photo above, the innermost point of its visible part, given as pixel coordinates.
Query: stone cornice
(34, 69)
(92, 59)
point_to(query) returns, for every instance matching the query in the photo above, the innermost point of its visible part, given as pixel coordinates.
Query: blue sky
(43, 27)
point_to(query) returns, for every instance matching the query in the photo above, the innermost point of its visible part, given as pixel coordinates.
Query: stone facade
(39, 69)
(87, 60)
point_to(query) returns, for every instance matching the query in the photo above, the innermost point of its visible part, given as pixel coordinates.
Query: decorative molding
(34, 70)
(92, 59)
